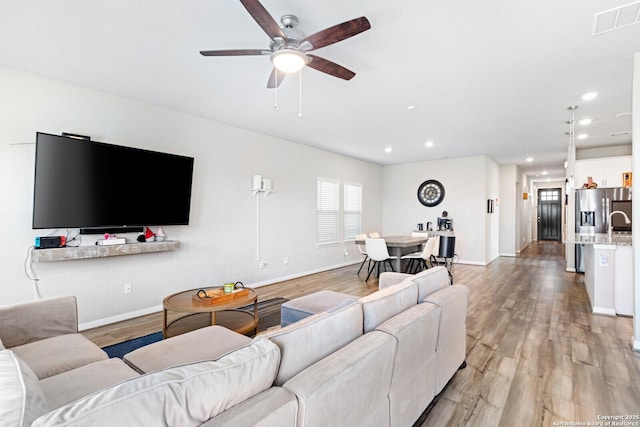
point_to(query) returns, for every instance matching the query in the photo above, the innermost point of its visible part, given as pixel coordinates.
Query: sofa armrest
(31, 321)
(389, 278)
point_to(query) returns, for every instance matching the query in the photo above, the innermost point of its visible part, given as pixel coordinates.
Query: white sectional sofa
(378, 361)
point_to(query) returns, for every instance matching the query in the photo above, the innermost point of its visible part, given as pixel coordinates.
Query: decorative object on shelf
(148, 235)
(627, 178)
(590, 183)
(431, 193)
(160, 236)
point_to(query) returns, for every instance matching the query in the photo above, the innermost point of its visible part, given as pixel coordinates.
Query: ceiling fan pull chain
(300, 94)
(276, 84)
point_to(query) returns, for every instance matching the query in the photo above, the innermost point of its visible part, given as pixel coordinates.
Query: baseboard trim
(604, 311)
(119, 318)
(509, 255)
(158, 308)
(302, 274)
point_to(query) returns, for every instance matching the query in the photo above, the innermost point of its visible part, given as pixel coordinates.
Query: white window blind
(352, 210)
(328, 210)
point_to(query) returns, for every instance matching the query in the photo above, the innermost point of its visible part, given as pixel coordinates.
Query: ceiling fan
(289, 47)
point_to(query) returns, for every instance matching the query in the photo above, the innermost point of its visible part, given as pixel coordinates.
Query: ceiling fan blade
(235, 52)
(330, 67)
(272, 79)
(263, 18)
(338, 32)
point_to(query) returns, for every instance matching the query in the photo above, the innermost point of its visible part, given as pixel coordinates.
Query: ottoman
(208, 343)
(299, 308)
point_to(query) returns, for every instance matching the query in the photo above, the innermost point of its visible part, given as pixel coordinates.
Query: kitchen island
(608, 274)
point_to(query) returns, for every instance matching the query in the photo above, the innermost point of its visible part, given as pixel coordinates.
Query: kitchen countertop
(599, 239)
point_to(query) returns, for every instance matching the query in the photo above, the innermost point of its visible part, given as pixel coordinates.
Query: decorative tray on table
(215, 296)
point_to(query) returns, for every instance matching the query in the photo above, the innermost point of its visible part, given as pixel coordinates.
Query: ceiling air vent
(616, 18)
(623, 133)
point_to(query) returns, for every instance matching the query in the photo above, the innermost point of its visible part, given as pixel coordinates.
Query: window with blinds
(352, 210)
(336, 221)
(328, 210)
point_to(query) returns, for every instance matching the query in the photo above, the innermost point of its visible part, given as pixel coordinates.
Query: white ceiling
(485, 77)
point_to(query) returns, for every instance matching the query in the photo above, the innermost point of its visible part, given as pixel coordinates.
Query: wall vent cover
(616, 18)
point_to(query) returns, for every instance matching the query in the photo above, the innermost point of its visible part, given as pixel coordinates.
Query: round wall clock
(431, 193)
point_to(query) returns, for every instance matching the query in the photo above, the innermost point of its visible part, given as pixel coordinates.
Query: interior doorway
(549, 214)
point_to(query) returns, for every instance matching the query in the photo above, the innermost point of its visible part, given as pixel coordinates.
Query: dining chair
(378, 252)
(363, 251)
(422, 257)
(374, 235)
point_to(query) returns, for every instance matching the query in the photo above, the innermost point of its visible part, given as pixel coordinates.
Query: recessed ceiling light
(583, 136)
(544, 172)
(388, 149)
(411, 107)
(589, 96)
(428, 144)
(529, 159)
(623, 114)
(585, 122)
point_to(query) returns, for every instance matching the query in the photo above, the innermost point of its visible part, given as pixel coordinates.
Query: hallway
(535, 354)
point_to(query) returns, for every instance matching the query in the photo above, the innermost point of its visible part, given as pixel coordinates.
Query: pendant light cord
(300, 93)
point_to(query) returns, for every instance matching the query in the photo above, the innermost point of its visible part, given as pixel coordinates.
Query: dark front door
(549, 213)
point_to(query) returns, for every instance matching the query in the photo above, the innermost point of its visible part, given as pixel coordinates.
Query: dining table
(401, 245)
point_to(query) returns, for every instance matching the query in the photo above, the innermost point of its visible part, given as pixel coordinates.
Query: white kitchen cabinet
(606, 172)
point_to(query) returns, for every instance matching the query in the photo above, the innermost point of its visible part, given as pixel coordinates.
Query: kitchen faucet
(626, 221)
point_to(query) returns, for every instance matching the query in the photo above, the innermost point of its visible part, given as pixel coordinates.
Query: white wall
(635, 202)
(508, 210)
(492, 191)
(219, 244)
(466, 193)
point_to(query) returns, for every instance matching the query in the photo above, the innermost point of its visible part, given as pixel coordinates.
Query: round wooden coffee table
(201, 314)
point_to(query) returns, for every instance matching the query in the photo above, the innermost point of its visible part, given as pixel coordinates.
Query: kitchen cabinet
(606, 172)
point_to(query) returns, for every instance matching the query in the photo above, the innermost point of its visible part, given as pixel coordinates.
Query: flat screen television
(92, 185)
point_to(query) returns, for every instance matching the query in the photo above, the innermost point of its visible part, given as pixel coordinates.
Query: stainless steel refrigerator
(593, 207)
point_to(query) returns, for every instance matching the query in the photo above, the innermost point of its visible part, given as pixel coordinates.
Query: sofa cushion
(430, 281)
(388, 302)
(208, 343)
(21, 399)
(59, 354)
(349, 387)
(274, 407)
(413, 384)
(72, 385)
(183, 396)
(452, 334)
(31, 321)
(305, 342)
(390, 278)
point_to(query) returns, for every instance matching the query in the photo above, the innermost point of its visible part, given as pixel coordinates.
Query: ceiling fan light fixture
(289, 60)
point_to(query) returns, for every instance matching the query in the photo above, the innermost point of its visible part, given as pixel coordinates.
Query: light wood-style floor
(535, 354)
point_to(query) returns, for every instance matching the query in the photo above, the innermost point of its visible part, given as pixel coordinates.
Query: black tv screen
(81, 183)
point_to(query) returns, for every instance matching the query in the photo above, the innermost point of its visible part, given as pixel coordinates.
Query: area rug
(268, 317)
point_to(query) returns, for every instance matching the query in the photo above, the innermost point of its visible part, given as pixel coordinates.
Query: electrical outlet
(286, 260)
(127, 288)
(346, 252)
(261, 264)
